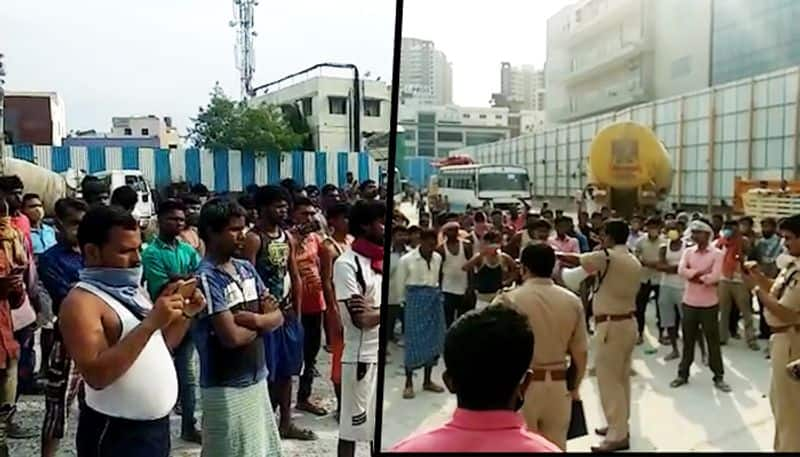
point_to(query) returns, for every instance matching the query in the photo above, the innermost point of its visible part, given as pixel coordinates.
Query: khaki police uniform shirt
(787, 283)
(556, 317)
(617, 293)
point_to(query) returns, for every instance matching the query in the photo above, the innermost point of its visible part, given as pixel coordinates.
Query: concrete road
(31, 410)
(695, 417)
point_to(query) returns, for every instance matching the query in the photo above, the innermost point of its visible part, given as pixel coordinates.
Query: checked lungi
(424, 326)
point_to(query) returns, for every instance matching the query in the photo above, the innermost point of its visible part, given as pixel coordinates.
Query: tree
(229, 124)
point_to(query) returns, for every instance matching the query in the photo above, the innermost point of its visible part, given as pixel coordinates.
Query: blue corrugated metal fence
(220, 170)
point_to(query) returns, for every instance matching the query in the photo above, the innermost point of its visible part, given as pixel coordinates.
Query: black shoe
(192, 436)
(722, 385)
(677, 382)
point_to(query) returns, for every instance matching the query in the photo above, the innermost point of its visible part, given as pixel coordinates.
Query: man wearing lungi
(420, 271)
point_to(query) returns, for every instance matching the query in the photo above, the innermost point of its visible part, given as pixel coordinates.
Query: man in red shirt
(489, 393)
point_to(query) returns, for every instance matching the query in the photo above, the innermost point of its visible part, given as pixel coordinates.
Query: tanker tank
(629, 169)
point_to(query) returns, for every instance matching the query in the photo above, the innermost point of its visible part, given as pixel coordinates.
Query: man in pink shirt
(489, 393)
(701, 266)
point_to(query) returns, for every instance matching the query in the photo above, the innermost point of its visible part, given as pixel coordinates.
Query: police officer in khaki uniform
(615, 336)
(556, 316)
(781, 300)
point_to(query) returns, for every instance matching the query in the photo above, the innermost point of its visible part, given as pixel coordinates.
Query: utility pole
(244, 21)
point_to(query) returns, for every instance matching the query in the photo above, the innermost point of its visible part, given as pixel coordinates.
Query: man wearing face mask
(120, 341)
(732, 291)
(556, 317)
(614, 307)
(766, 252)
(489, 394)
(781, 300)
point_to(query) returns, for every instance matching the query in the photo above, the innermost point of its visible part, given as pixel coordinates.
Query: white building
(523, 85)
(604, 55)
(426, 76)
(326, 103)
(144, 127)
(435, 130)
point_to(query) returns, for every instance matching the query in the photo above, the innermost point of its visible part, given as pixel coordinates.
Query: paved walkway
(695, 417)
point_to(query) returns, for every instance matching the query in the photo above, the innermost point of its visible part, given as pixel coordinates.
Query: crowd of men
(704, 277)
(220, 306)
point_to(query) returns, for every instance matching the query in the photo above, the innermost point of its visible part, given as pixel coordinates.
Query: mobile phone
(188, 287)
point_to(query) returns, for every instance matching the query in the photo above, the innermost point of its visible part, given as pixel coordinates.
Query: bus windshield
(516, 181)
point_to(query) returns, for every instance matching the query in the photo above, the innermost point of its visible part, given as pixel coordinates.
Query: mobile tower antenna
(243, 21)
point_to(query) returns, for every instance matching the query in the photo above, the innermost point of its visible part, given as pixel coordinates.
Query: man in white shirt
(357, 278)
(420, 272)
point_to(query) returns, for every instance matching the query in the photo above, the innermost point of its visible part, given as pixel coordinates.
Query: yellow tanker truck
(629, 169)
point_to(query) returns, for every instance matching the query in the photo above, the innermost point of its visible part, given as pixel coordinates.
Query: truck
(629, 170)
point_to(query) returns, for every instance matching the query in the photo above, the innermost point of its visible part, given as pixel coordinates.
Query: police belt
(613, 317)
(540, 374)
(785, 328)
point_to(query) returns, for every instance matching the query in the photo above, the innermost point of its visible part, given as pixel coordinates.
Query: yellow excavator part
(627, 155)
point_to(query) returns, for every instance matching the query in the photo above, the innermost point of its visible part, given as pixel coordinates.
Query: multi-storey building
(604, 55)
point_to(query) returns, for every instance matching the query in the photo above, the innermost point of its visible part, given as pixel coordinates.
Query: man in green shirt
(165, 259)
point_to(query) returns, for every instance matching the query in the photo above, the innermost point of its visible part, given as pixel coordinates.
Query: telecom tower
(243, 20)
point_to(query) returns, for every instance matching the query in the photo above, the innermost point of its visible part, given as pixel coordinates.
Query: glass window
(372, 107)
(451, 136)
(337, 105)
(503, 181)
(145, 132)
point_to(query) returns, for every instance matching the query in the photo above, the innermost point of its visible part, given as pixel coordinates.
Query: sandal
(433, 387)
(293, 432)
(309, 407)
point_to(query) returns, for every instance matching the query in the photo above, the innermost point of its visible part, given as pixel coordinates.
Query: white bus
(500, 185)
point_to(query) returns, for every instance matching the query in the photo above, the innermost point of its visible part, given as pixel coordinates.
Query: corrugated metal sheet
(222, 170)
(746, 128)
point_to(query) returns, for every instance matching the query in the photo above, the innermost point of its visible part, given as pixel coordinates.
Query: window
(426, 118)
(372, 107)
(426, 135)
(498, 116)
(337, 105)
(145, 132)
(465, 115)
(306, 107)
(128, 132)
(451, 136)
(482, 116)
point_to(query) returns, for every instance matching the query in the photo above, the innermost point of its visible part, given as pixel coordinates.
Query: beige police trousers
(784, 392)
(613, 346)
(547, 410)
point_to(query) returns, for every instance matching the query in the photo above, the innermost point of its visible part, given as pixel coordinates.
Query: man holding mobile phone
(357, 278)
(168, 257)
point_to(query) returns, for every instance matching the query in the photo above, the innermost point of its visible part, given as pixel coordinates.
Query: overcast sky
(477, 35)
(115, 58)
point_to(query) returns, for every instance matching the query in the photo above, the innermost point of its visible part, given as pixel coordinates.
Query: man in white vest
(120, 341)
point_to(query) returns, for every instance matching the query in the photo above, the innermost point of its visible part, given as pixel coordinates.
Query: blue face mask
(121, 283)
(727, 233)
